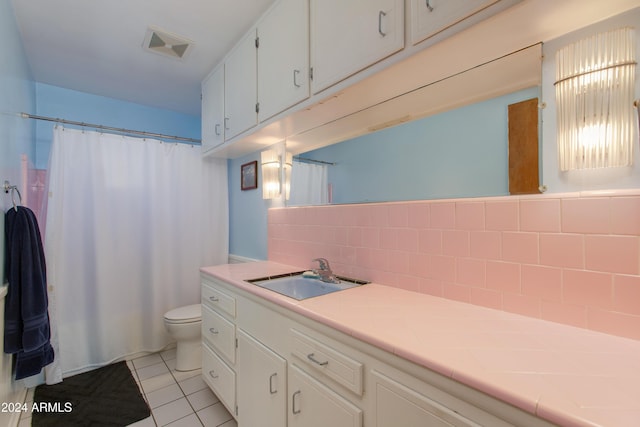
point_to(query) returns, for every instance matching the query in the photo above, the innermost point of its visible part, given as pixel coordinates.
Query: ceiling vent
(167, 44)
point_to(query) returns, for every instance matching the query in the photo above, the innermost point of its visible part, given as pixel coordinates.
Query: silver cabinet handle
(214, 331)
(429, 6)
(294, 408)
(381, 15)
(295, 78)
(217, 129)
(214, 299)
(311, 356)
(226, 123)
(271, 389)
(213, 374)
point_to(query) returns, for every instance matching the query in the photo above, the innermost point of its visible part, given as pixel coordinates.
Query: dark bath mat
(104, 397)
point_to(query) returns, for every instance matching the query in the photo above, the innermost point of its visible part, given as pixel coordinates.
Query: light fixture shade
(287, 167)
(594, 96)
(270, 165)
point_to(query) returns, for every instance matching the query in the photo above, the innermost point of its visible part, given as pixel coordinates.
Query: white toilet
(184, 324)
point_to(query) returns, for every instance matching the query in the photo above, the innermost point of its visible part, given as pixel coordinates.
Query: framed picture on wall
(249, 176)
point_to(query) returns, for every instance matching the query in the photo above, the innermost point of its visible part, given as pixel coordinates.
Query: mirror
(443, 140)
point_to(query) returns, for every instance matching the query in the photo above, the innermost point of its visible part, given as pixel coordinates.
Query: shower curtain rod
(102, 127)
(320, 162)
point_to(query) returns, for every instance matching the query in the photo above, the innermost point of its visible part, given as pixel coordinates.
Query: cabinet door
(261, 384)
(312, 404)
(398, 405)
(241, 87)
(429, 17)
(283, 57)
(347, 36)
(213, 110)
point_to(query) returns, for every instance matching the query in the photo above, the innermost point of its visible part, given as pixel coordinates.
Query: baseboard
(237, 259)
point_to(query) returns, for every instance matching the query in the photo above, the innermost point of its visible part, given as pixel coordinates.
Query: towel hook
(14, 189)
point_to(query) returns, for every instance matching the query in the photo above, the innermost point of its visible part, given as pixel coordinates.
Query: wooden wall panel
(523, 147)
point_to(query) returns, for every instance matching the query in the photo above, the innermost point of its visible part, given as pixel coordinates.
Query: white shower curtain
(309, 184)
(129, 223)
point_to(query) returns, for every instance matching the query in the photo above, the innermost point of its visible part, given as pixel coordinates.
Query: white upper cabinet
(301, 54)
(283, 57)
(429, 17)
(241, 91)
(348, 36)
(213, 110)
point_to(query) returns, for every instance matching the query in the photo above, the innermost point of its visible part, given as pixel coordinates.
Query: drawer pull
(213, 374)
(311, 356)
(295, 78)
(214, 299)
(381, 14)
(294, 408)
(429, 7)
(271, 389)
(214, 331)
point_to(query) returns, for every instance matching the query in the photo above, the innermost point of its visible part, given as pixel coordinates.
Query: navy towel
(26, 318)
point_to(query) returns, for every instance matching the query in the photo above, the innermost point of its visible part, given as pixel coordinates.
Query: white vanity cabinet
(325, 381)
(313, 404)
(261, 384)
(219, 376)
(397, 403)
(348, 36)
(241, 87)
(327, 361)
(292, 371)
(219, 333)
(219, 342)
(213, 110)
(283, 57)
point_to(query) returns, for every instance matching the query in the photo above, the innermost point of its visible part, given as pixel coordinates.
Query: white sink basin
(298, 287)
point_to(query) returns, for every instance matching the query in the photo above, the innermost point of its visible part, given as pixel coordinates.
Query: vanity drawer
(219, 332)
(218, 299)
(219, 377)
(321, 358)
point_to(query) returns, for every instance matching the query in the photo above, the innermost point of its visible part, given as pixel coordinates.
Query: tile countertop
(566, 375)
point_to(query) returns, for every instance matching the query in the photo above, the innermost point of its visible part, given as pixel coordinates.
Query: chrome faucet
(324, 271)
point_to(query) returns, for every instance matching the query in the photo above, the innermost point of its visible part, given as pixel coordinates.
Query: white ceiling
(95, 46)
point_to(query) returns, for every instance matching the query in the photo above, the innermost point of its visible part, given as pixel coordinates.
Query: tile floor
(176, 399)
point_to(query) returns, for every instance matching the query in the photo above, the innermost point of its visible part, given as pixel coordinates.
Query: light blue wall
(458, 153)
(16, 139)
(247, 213)
(16, 95)
(57, 102)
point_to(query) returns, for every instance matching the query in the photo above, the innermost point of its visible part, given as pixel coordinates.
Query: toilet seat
(186, 314)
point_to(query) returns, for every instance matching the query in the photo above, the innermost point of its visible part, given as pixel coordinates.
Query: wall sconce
(286, 174)
(594, 94)
(270, 165)
(276, 175)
